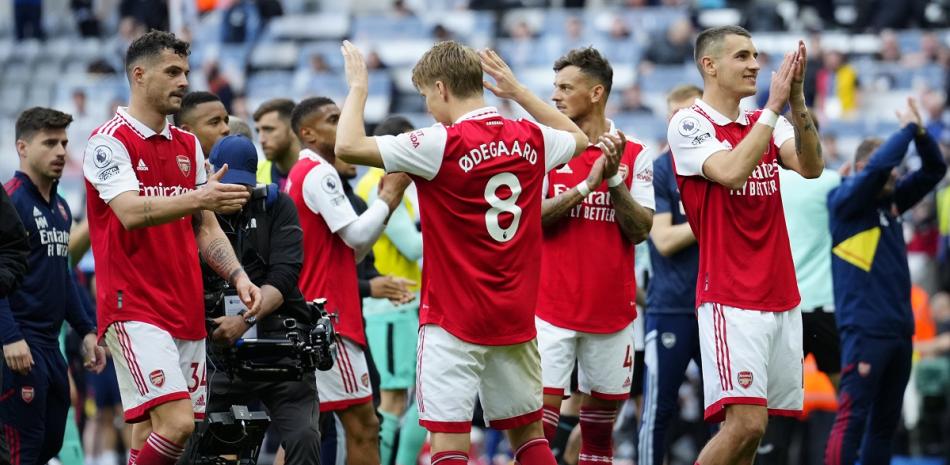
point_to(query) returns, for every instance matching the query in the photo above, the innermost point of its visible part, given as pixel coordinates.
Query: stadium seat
(309, 27)
(274, 55)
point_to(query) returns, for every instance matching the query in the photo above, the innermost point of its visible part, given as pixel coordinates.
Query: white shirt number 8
(499, 205)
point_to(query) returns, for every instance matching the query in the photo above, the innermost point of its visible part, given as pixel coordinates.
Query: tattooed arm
(804, 156)
(217, 252)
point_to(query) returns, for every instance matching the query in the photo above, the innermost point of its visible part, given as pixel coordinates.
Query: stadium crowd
(774, 288)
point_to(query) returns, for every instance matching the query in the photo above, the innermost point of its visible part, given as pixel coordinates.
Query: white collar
(719, 118)
(313, 155)
(480, 113)
(140, 128)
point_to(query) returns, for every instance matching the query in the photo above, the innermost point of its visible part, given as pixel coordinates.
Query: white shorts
(752, 358)
(347, 383)
(154, 368)
(451, 372)
(604, 361)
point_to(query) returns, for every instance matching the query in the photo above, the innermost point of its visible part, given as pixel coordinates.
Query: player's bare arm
(804, 155)
(732, 168)
(139, 211)
(670, 238)
(634, 219)
(231, 328)
(352, 144)
(554, 208)
(506, 86)
(217, 252)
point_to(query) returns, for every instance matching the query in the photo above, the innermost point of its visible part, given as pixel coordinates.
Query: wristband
(768, 118)
(583, 188)
(615, 180)
(251, 321)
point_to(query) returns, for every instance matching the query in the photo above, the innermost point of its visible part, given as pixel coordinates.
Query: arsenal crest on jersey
(745, 378)
(157, 378)
(27, 393)
(184, 164)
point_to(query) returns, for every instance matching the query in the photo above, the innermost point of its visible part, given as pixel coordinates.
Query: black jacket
(268, 241)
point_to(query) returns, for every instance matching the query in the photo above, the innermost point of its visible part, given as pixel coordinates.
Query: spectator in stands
(374, 62)
(219, 84)
(304, 75)
(932, 52)
(933, 103)
(812, 65)
(631, 101)
(874, 15)
(618, 29)
(440, 33)
(241, 23)
(522, 47)
(86, 20)
(890, 48)
(153, 14)
(675, 48)
(836, 86)
(28, 19)
(281, 147)
(830, 151)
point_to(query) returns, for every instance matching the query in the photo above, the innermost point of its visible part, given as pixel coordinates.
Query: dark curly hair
(151, 45)
(591, 63)
(37, 119)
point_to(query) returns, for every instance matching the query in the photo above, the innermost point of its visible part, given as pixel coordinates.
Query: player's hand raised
(506, 85)
(18, 357)
(798, 78)
(911, 115)
(356, 73)
(596, 174)
(781, 85)
(222, 198)
(613, 147)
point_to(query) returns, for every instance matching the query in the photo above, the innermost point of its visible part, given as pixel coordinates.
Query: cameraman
(266, 237)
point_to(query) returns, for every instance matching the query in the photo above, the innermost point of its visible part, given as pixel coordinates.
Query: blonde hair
(457, 66)
(683, 92)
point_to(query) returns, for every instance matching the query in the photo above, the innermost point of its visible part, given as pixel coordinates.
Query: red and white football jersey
(480, 183)
(744, 257)
(587, 278)
(329, 265)
(150, 274)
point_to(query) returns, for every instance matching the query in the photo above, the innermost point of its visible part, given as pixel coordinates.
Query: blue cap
(241, 157)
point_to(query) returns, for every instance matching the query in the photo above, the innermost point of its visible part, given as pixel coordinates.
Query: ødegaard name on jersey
(497, 148)
(597, 206)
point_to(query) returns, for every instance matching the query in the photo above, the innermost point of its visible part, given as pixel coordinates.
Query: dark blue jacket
(48, 293)
(673, 287)
(869, 255)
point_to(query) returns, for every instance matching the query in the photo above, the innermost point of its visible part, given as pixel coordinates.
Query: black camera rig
(286, 359)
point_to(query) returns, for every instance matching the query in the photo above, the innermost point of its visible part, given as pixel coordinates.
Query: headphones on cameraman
(268, 192)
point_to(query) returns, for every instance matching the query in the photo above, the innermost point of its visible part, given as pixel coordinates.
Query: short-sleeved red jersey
(150, 274)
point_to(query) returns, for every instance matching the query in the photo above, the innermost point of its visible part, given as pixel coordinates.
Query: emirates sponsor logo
(161, 190)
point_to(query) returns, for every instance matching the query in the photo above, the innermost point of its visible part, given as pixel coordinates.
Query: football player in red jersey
(586, 301)
(479, 177)
(727, 165)
(150, 216)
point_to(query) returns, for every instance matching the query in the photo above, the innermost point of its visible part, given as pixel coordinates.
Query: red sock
(535, 452)
(550, 420)
(158, 451)
(449, 457)
(597, 427)
(133, 454)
